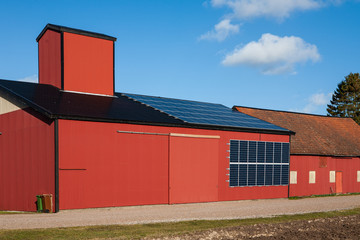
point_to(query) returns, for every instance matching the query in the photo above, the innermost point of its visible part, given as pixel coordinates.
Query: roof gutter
(325, 155)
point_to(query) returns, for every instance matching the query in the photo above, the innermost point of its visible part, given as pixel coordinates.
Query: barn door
(338, 182)
(193, 168)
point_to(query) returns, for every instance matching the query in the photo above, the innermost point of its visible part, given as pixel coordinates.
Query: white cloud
(273, 54)
(316, 101)
(244, 9)
(319, 99)
(32, 78)
(221, 31)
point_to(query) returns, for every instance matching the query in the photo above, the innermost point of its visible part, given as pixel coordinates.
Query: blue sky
(276, 54)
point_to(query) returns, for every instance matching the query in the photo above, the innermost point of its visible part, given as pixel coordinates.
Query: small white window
(332, 176)
(293, 177)
(358, 176)
(312, 176)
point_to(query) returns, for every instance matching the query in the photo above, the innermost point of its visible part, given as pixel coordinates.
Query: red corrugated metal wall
(88, 64)
(101, 167)
(50, 59)
(322, 167)
(26, 160)
(193, 169)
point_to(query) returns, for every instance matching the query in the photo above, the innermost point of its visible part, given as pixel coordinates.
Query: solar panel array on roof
(204, 113)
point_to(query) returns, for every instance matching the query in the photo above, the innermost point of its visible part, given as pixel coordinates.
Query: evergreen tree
(345, 101)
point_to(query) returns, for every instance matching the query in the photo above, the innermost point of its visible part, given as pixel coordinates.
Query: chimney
(76, 60)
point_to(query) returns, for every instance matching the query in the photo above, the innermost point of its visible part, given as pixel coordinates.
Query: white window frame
(293, 177)
(312, 177)
(332, 176)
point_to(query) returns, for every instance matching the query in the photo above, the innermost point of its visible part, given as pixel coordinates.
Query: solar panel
(234, 175)
(284, 175)
(249, 168)
(260, 178)
(204, 113)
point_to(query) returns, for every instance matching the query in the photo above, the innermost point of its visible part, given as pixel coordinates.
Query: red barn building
(74, 137)
(325, 152)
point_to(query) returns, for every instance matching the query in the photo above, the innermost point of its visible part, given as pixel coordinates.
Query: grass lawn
(156, 229)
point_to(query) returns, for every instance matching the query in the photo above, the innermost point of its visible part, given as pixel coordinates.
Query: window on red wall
(312, 177)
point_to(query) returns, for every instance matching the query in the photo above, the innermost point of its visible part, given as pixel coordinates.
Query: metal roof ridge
(59, 28)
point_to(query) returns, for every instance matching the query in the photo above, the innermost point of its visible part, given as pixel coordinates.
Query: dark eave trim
(324, 155)
(185, 125)
(59, 28)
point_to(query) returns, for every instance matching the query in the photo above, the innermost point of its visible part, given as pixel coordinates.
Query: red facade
(27, 166)
(347, 167)
(101, 167)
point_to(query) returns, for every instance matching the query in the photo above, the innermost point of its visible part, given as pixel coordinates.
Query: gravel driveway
(178, 212)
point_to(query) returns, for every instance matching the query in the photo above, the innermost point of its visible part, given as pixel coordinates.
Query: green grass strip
(158, 229)
(324, 195)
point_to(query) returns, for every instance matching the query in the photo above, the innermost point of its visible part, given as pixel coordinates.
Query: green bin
(39, 203)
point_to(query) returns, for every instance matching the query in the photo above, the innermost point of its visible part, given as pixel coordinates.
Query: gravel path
(177, 212)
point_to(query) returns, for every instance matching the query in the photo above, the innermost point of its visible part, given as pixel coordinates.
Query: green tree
(345, 101)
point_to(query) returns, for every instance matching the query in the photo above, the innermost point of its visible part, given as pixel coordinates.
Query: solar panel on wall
(256, 163)
(203, 113)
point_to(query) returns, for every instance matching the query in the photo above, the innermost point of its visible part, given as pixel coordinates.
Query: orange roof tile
(315, 134)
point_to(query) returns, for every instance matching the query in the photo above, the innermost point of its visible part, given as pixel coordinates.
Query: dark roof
(204, 113)
(315, 134)
(58, 28)
(55, 103)
(130, 108)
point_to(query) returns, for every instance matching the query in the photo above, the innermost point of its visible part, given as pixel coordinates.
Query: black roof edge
(325, 155)
(185, 125)
(16, 97)
(59, 28)
(272, 110)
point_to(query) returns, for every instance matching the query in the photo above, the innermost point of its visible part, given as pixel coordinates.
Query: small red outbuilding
(325, 152)
(74, 137)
